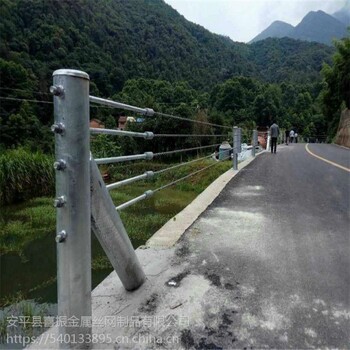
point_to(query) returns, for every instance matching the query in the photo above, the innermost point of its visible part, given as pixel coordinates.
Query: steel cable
(184, 150)
(181, 165)
(24, 99)
(190, 120)
(189, 135)
(186, 177)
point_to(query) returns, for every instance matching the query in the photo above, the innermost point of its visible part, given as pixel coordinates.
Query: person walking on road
(296, 137)
(291, 136)
(286, 135)
(274, 132)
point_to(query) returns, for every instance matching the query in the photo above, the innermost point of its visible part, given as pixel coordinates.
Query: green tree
(267, 105)
(336, 94)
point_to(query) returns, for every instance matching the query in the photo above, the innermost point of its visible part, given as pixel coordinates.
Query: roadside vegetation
(34, 219)
(21, 223)
(24, 175)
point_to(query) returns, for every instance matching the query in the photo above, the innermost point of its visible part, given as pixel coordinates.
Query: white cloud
(242, 20)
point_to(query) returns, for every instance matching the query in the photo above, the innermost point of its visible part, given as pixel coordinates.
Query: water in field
(33, 275)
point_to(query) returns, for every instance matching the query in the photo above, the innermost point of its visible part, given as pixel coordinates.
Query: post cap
(72, 73)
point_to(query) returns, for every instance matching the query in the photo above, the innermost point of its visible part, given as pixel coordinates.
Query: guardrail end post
(237, 134)
(73, 229)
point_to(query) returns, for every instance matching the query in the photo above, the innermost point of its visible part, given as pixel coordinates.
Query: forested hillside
(115, 40)
(118, 40)
(288, 60)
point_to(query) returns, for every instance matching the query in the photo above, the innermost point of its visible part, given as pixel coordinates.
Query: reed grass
(24, 175)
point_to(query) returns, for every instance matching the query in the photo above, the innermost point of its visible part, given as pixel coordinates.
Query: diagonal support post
(110, 231)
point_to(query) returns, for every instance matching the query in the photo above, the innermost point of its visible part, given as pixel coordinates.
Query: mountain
(277, 29)
(320, 27)
(316, 26)
(343, 15)
(117, 42)
(286, 59)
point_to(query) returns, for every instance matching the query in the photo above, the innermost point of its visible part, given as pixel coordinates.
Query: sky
(242, 20)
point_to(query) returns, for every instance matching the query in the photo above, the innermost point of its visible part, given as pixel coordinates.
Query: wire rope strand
(185, 177)
(27, 91)
(190, 120)
(24, 99)
(189, 135)
(181, 164)
(42, 101)
(184, 150)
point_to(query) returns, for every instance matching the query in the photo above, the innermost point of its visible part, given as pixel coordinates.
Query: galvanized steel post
(72, 151)
(236, 146)
(111, 233)
(268, 142)
(255, 141)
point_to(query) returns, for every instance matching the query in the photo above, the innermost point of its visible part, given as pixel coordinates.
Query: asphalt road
(276, 245)
(334, 153)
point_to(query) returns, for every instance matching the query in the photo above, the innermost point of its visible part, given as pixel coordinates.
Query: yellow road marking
(326, 160)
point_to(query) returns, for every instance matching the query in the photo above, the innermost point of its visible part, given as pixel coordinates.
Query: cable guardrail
(149, 155)
(17, 99)
(182, 164)
(114, 104)
(87, 202)
(25, 100)
(189, 135)
(147, 135)
(160, 114)
(166, 153)
(186, 177)
(25, 91)
(150, 193)
(147, 175)
(150, 174)
(119, 159)
(148, 111)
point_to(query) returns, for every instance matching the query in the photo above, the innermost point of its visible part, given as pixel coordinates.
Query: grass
(25, 175)
(22, 223)
(35, 218)
(27, 310)
(143, 219)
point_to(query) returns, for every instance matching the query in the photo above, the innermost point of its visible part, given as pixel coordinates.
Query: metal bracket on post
(237, 134)
(255, 141)
(72, 151)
